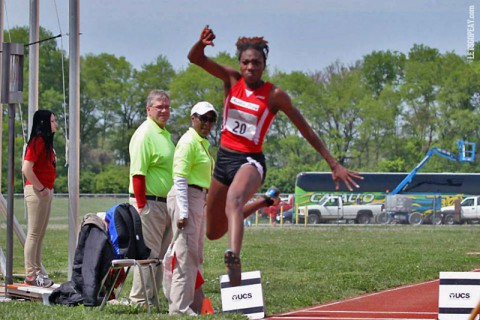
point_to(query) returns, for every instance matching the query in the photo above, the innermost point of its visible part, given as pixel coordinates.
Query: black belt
(154, 198)
(194, 186)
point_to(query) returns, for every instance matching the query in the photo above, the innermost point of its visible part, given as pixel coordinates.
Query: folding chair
(125, 264)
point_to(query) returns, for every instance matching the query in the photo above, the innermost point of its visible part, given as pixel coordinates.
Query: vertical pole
(1, 105)
(12, 74)
(33, 63)
(11, 187)
(74, 130)
(11, 132)
(281, 215)
(296, 214)
(306, 216)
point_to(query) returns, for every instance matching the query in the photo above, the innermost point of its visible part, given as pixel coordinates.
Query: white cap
(202, 108)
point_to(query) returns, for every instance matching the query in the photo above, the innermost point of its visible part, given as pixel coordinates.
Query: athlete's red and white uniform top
(246, 117)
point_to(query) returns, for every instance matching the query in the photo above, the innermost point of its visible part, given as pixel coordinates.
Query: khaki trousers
(157, 233)
(38, 209)
(189, 251)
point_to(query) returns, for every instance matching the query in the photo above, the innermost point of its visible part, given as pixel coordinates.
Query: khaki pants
(38, 208)
(157, 232)
(189, 251)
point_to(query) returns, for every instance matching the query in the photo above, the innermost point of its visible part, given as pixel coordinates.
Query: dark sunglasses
(203, 118)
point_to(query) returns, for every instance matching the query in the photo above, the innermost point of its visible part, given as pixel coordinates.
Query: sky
(303, 35)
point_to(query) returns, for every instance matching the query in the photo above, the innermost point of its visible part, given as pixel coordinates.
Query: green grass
(300, 266)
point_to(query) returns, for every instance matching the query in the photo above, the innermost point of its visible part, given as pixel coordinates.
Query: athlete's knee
(234, 202)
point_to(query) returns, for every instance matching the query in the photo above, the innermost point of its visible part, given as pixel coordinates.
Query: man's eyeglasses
(203, 118)
(161, 107)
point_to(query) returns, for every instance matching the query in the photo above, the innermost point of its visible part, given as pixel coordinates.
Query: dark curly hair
(257, 43)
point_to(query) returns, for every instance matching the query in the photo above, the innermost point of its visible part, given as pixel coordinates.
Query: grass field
(301, 266)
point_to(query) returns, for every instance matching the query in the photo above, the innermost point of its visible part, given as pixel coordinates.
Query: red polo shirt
(43, 165)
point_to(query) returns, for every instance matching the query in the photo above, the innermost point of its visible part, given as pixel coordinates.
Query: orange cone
(207, 306)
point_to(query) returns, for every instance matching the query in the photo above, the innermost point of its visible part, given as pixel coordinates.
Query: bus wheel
(415, 218)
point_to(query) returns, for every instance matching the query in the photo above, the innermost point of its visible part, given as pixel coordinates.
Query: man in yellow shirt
(192, 174)
(151, 158)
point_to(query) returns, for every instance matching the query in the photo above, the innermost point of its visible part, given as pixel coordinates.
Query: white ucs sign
(246, 298)
(458, 294)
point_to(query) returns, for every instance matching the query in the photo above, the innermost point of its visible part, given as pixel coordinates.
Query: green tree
(382, 68)
(457, 99)
(109, 87)
(288, 153)
(419, 93)
(113, 179)
(156, 75)
(382, 73)
(344, 101)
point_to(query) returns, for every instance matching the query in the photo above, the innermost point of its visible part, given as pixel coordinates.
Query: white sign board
(458, 294)
(246, 298)
(26, 291)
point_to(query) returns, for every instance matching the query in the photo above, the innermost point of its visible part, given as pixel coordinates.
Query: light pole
(12, 93)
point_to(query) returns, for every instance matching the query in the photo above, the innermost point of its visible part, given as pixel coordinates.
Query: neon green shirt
(192, 159)
(151, 155)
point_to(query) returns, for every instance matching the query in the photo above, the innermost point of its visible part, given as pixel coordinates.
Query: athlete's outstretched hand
(207, 36)
(339, 172)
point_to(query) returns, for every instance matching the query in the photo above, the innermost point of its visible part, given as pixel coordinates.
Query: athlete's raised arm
(197, 56)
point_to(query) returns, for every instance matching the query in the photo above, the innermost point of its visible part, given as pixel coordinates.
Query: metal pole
(11, 187)
(11, 133)
(12, 74)
(33, 63)
(1, 105)
(74, 130)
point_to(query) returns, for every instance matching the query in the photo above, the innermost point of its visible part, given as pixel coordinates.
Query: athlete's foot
(272, 196)
(234, 268)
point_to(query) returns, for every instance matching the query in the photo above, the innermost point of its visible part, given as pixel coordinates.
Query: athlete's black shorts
(228, 163)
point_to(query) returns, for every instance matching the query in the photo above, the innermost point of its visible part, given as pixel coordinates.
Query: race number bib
(241, 123)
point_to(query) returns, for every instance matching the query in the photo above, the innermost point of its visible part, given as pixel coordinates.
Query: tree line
(381, 113)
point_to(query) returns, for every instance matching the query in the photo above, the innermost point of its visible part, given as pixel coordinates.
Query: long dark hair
(42, 127)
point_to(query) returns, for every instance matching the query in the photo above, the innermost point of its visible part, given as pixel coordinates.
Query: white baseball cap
(202, 108)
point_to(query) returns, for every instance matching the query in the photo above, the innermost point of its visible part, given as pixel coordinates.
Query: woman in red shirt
(39, 170)
(250, 107)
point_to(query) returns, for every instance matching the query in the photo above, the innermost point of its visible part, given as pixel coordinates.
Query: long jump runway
(415, 302)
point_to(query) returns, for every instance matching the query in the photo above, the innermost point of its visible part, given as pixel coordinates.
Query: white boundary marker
(246, 298)
(458, 295)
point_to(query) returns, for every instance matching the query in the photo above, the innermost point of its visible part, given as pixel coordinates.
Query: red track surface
(418, 301)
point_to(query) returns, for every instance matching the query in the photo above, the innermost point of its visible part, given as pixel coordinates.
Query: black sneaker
(234, 268)
(272, 196)
(40, 281)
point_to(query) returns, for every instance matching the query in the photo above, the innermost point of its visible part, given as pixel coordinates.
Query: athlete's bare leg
(246, 183)
(217, 222)
(253, 206)
(226, 209)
